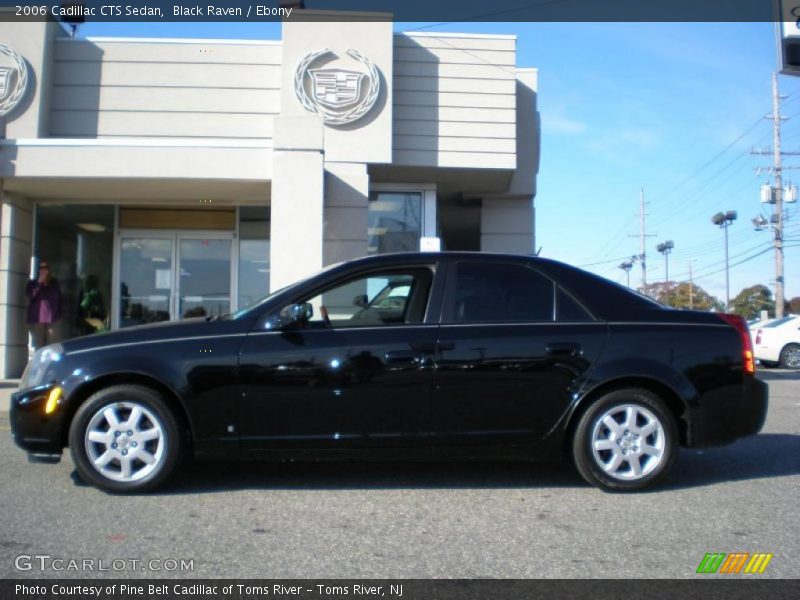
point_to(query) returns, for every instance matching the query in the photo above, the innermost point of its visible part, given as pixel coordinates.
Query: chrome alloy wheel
(628, 442)
(125, 441)
(791, 357)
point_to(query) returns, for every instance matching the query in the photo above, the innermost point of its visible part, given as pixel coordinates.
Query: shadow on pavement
(778, 374)
(758, 457)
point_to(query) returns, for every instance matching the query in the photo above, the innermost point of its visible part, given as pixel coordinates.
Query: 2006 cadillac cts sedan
(403, 355)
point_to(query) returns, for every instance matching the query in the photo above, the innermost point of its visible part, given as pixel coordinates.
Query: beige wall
(34, 42)
(346, 197)
(115, 88)
(15, 254)
(368, 140)
(507, 225)
(455, 100)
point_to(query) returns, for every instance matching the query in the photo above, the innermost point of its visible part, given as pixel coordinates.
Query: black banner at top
(445, 11)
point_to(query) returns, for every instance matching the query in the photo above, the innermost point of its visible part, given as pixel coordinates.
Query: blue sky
(673, 108)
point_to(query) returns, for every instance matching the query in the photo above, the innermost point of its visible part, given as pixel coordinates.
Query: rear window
(779, 322)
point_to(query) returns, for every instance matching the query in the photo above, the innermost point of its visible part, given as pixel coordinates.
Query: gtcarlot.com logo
(734, 563)
(47, 562)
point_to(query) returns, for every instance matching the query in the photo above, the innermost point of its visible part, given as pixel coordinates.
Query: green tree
(752, 300)
(793, 305)
(680, 296)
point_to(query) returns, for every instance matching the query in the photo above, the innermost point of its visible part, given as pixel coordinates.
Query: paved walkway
(7, 388)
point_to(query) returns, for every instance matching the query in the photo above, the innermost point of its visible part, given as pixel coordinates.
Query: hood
(195, 327)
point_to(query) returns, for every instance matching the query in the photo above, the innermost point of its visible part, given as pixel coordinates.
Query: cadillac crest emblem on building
(13, 79)
(339, 96)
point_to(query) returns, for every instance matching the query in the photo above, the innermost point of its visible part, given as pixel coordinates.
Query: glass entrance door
(204, 285)
(146, 280)
(170, 276)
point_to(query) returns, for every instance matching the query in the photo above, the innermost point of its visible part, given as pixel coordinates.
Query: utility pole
(642, 240)
(776, 148)
(776, 192)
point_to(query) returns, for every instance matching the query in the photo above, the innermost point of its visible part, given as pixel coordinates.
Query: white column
(15, 257)
(346, 201)
(297, 199)
(507, 225)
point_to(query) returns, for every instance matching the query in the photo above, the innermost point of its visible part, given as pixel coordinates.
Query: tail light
(758, 337)
(740, 325)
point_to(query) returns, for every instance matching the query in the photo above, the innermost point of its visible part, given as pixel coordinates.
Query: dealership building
(170, 178)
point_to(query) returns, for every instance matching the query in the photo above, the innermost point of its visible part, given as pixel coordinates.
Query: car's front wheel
(125, 439)
(626, 440)
(790, 356)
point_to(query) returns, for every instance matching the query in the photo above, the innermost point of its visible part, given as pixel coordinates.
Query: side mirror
(361, 301)
(290, 315)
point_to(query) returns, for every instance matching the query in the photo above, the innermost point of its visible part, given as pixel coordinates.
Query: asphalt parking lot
(410, 520)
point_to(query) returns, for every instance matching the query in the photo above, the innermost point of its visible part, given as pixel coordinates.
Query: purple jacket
(49, 294)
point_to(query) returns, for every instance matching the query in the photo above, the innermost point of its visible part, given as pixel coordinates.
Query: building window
(394, 221)
(254, 224)
(78, 242)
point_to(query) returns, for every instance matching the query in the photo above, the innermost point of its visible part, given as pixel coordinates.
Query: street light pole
(665, 248)
(627, 266)
(724, 220)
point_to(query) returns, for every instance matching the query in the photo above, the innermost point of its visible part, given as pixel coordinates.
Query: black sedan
(404, 355)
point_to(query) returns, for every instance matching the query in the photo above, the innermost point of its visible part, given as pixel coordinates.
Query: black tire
(789, 356)
(649, 409)
(165, 450)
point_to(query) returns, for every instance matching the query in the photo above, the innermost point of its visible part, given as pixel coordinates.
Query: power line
(675, 188)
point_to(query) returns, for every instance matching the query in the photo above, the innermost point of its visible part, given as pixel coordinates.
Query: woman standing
(44, 307)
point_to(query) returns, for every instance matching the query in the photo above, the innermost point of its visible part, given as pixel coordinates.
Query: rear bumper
(32, 430)
(722, 418)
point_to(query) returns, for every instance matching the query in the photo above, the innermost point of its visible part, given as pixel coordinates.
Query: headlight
(37, 367)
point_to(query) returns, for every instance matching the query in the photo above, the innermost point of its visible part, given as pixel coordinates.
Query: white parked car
(778, 343)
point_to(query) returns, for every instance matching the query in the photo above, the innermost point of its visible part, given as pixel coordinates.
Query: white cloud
(561, 125)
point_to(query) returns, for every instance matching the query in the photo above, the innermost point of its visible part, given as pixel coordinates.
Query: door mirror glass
(290, 315)
(361, 301)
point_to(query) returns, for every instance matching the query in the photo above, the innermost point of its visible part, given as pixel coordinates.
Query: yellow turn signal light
(52, 401)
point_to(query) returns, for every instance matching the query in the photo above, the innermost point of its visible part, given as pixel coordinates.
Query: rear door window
(487, 292)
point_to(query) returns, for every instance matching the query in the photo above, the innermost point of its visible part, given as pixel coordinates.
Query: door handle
(563, 349)
(399, 358)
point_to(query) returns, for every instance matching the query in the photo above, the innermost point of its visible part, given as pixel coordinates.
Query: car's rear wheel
(626, 440)
(790, 356)
(125, 439)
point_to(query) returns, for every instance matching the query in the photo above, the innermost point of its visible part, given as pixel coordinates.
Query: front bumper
(33, 430)
(729, 414)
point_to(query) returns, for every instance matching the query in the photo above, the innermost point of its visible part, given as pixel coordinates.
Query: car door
(357, 374)
(507, 368)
